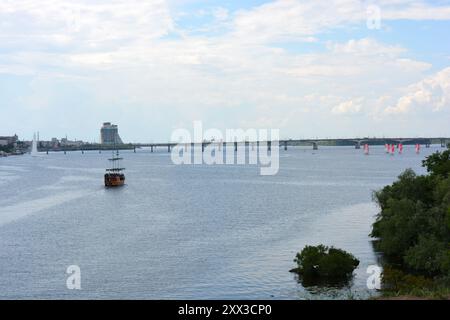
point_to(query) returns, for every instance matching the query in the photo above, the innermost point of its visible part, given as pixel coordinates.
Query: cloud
(288, 19)
(270, 64)
(413, 10)
(105, 25)
(292, 19)
(221, 14)
(356, 58)
(82, 24)
(348, 107)
(430, 94)
(366, 46)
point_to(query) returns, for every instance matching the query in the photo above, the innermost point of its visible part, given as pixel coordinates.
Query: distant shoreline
(7, 154)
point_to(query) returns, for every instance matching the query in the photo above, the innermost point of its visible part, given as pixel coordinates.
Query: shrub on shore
(397, 283)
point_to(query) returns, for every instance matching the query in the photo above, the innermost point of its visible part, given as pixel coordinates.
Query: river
(189, 231)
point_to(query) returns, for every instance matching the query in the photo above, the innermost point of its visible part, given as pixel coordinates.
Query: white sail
(34, 151)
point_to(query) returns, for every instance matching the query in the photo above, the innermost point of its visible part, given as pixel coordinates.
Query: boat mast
(115, 159)
(115, 156)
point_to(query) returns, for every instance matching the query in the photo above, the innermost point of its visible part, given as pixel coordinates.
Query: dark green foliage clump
(400, 283)
(413, 227)
(323, 263)
(438, 163)
(8, 148)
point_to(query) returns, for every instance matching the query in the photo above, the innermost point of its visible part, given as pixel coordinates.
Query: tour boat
(114, 176)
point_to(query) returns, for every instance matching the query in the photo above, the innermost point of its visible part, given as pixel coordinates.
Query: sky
(312, 69)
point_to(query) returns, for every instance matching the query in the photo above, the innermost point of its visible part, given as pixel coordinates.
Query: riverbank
(7, 154)
(399, 298)
(437, 292)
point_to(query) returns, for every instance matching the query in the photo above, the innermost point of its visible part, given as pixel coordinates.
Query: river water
(189, 231)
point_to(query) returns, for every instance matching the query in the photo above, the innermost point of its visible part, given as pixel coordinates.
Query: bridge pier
(358, 145)
(151, 148)
(269, 145)
(315, 146)
(285, 146)
(134, 149)
(203, 147)
(168, 148)
(235, 146)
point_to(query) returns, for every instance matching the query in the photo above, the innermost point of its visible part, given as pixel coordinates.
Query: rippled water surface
(186, 232)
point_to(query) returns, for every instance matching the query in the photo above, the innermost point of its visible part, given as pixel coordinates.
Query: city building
(109, 134)
(6, 141)
(69, 143)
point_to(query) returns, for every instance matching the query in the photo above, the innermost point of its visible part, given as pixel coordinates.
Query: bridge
(283, 143)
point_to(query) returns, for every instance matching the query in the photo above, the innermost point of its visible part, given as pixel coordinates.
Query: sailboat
(34, 150)
(114, 176)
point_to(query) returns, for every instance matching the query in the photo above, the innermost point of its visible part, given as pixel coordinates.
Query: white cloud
(357, 58)
(413, 10)
(133, 55)
(83, 24)
(287, 19)
(293, 19)
(366, 46)
(430, 94)
(348, 107)
(221, 14)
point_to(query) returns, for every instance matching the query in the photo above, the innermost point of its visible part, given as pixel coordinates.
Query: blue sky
(308, 68)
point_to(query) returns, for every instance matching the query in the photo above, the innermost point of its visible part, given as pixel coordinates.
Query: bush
(8, 148)
(428, 256)
(325, 263)
(399, 282)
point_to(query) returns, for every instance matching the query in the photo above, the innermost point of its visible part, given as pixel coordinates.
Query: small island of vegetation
(324, 265)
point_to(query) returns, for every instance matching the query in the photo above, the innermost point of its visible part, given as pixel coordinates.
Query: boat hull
(114, 179)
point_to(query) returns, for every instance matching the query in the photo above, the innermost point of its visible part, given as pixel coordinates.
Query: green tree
(438, 163)
(325, 263)
(413, 226)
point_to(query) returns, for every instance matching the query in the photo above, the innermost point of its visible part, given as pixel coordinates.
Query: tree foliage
(438, 163)
(413, 227)
(8, 148)
(325, 263)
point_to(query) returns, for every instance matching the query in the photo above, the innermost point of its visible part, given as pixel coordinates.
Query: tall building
(109, 134)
